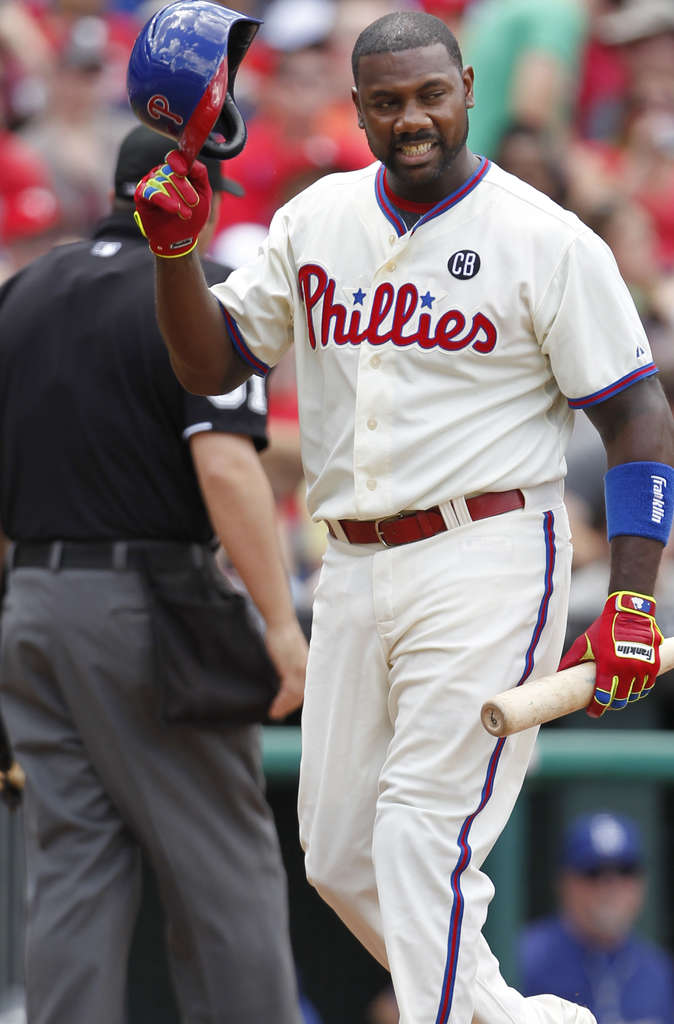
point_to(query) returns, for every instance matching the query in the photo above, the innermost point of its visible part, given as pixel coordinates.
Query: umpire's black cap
(142, 149)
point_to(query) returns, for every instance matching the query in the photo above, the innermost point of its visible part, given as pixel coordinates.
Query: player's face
(413, 106)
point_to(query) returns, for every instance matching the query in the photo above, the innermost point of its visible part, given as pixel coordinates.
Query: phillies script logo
(158, 107)
(400, 309)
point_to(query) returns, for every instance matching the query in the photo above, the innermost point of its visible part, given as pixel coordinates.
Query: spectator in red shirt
(638, 162)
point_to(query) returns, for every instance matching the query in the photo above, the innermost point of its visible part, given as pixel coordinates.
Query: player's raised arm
(637, 430)
(171, 210)
(180, 83)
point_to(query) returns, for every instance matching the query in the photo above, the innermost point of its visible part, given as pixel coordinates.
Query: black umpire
(132, 681)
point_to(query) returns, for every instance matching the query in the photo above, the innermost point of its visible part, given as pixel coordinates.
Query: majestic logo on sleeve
(400, 315)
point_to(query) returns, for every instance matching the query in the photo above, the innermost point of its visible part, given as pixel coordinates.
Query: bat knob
(492, 719)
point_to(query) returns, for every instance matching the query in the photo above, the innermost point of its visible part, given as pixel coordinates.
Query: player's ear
(356, 102)
(468, 76)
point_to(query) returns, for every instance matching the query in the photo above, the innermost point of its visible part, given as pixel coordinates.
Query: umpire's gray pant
(105, 778)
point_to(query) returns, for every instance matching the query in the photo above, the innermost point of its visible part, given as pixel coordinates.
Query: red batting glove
(171, 209)
(624, 641)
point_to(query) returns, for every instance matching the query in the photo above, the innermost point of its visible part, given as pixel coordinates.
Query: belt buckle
(387, 519)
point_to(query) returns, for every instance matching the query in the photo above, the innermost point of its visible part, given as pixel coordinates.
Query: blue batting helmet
(181, 75)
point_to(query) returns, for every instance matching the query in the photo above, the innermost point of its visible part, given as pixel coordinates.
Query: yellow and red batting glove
(624, 642)
(171, 209)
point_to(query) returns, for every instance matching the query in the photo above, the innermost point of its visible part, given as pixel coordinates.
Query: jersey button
(375, 362)
(391, 266)
(371, 424)
(372, 485)
(391, 239)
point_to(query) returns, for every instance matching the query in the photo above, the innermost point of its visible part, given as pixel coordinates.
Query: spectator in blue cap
(589, 951)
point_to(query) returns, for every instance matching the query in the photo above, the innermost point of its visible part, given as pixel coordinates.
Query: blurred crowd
(574, 96)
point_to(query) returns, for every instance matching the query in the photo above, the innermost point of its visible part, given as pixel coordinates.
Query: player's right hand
(625, 644)
(172, 208)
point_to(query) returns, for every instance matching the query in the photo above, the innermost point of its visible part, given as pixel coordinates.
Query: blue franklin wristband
(639, 500)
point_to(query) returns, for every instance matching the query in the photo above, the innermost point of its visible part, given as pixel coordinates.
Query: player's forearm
(193, 328)
(636, 427)
(635, 562)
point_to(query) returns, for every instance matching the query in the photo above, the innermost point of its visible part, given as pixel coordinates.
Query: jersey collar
(382, 196)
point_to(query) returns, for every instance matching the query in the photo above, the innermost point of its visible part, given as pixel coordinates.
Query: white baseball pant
(402, 791)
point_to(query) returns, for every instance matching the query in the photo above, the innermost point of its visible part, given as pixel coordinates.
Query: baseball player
(446, 318)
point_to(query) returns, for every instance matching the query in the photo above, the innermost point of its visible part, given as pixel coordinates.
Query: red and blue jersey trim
(465, 852)
(236, 338)
(615, 388)
(392, 215)
(385, 204)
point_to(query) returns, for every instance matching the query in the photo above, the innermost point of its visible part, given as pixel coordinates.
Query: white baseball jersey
(441, 361)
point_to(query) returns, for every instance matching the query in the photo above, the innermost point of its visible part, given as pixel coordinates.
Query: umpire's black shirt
(94, 425)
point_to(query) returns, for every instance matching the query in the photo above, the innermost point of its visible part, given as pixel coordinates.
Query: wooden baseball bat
(550, 697)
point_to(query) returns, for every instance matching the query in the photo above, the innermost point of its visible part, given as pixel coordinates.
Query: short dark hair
(404, 30)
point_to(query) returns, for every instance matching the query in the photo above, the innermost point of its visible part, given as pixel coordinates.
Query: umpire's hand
(12, 778)
(288, 649)
(11, 785)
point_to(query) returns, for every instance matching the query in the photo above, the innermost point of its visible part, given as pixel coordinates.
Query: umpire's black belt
(115, 554)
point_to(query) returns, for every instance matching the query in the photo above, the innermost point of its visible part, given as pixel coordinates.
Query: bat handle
(542, 700)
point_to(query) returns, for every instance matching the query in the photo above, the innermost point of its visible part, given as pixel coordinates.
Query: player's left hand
(172, 208)
(624, 642)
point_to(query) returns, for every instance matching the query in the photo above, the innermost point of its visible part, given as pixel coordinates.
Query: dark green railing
(563, 754)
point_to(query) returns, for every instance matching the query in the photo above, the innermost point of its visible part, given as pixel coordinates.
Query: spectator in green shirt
(526, 55)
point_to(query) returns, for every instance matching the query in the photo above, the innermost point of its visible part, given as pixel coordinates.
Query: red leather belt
(410, 526)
